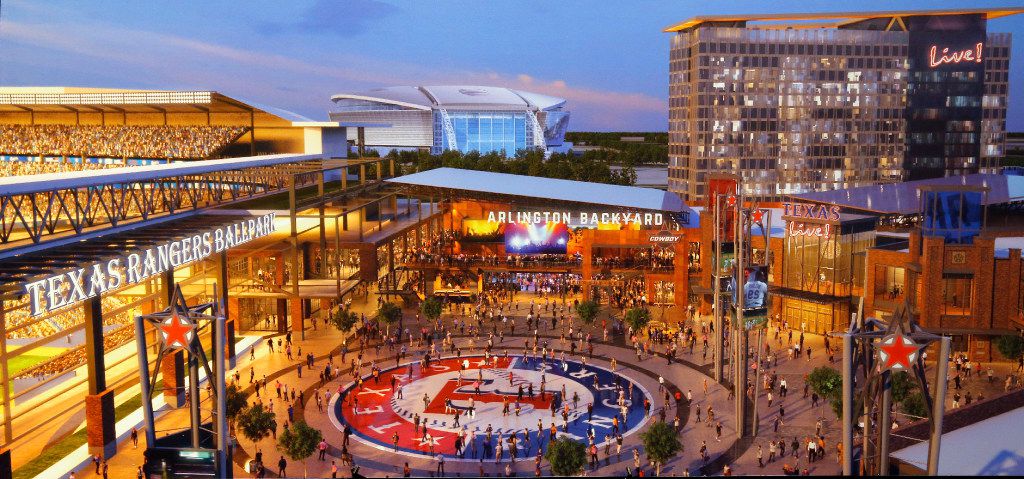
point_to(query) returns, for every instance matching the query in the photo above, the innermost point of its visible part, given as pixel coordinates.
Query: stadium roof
(25, 184)
(904, 198)
(841, 17)
(455, 96)
(552, 189)
(117, 101)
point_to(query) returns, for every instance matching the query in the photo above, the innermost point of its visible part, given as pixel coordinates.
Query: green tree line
(652, 150)
(592, 167)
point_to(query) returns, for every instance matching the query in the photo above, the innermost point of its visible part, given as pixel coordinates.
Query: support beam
(847, 404)
(716, 309)
(885, 424)
(222, 293)
(5, 378)
(938, 405)
(221, 420)
(147, 404)
(92, 310)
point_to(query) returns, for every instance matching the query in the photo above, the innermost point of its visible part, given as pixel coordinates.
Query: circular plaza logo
(458, 405)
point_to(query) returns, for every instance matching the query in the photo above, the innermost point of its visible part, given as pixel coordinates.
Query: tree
(661, 442)
(567, 457)
(431, 308)
(828, 383)
(914, 405)
(299, 442)
(344, 319)
(1011, 347)
(390, 313)
(257, 423)
(638, 318)
(902, 384)
(588, 310)
(235, 401)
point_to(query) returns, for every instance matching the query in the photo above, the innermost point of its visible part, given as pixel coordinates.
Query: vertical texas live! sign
(70, 287)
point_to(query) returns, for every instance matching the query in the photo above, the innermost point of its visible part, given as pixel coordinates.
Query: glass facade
(944, 99)
(483, 131)
(798, 110)
(821, 276)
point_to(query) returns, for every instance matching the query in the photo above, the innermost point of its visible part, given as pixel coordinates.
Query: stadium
(456, 117)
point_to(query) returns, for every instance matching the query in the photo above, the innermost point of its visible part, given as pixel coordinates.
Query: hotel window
(957, 295)
(890, 283)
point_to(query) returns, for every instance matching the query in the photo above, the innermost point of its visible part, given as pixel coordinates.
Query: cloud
(166, 61)
(344, 18)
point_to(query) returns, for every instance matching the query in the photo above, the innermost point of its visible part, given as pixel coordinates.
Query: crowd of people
(118, 141)
(16, 167)
(20, 325)
(75, 357)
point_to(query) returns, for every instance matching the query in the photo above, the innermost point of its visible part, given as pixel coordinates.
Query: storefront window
(890, 283)
(694, 257)
(383, 263)
(664, 292)
(956, 296)
(824, 265)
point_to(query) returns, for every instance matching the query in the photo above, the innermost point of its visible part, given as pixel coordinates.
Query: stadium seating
(175, 142)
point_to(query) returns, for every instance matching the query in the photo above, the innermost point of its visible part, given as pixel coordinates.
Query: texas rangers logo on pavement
(513, 395)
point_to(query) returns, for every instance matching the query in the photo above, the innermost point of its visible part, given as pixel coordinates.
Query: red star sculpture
(730, 200)
(897, 351)
(758, 216)
(176, 331)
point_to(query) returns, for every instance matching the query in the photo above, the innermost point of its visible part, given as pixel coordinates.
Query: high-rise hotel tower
(808, 102)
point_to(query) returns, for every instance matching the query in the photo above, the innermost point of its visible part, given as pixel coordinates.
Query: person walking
(135, 438)
(281, 463)
(440, 465)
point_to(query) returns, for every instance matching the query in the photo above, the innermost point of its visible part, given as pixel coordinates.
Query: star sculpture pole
(872, 351)
(178, 328)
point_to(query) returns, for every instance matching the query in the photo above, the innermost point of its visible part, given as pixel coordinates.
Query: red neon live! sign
(947, 58)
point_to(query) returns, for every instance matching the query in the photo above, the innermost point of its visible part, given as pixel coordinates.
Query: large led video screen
(536, 238)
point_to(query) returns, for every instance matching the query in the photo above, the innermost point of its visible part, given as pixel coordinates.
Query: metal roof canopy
(25, 184)
(905, 198)
(990, 13)
(533, 188)
(120, 101)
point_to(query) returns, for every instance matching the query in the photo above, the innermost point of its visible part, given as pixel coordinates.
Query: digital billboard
(536, 238)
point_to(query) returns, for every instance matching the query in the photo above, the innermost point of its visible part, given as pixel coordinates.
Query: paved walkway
(691, 374)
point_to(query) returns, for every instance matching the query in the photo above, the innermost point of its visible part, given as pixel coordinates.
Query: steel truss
(38, 216)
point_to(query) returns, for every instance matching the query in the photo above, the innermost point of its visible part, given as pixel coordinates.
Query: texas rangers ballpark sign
(435, 398)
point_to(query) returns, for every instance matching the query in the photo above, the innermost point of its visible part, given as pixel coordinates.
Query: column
(295, 312)
(587, 267)
(5, 463)
(99, 403)
(225, 303)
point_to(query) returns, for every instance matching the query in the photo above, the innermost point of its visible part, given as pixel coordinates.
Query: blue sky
(608, 58)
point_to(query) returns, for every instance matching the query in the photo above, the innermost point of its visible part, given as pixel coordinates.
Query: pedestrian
(135, 438)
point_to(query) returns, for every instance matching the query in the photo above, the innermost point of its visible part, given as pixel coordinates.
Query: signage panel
(88, 281)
